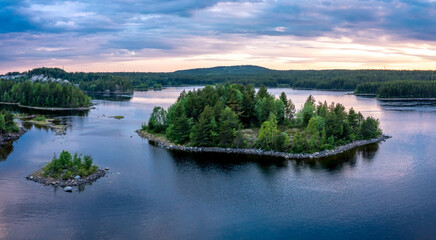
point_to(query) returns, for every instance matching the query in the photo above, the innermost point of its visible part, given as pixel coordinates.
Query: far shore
(48, 108)
(163, 142)
(407, 99)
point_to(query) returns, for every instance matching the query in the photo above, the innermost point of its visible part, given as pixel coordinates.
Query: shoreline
(161, 142)
(48, 108)
(37, 177)
(406, 99)
(11, 136)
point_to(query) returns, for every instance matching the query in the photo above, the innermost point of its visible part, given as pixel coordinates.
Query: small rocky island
(42, 121)
(67, 171)
(234, 118)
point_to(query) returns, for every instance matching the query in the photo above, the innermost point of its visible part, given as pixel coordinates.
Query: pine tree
(180, 126)
(204, 131)
(228, 125)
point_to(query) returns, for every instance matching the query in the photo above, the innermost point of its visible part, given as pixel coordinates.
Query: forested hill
(90, 82)
(222, 70)
(244, 74)
(257, 76)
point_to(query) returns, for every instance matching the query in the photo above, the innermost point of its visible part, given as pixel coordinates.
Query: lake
(381, 191)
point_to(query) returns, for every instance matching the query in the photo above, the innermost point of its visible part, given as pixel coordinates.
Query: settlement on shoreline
(162, 142)
(48, 108)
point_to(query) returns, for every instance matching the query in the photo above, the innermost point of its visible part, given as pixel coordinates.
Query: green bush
(68, 166)
(40, 119)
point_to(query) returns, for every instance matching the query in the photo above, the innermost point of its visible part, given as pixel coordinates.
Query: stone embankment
(39, 178)
(7, 137)
(162, 142)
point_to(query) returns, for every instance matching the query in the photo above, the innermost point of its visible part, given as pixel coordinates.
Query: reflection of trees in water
(111, 97)
(270, 165)
(408, 106)
(29, 125)
(5, 150)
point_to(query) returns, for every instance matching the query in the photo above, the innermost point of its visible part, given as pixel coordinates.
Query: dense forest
(90, 82)
(362, 81)
(257, 76)
(399, 89)
(234, 115)
(43, 94)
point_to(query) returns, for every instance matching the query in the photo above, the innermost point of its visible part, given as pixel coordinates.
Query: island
(68, 170)
(233, 118)
(42, 121)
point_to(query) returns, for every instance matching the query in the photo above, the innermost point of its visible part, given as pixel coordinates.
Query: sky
(168, 35)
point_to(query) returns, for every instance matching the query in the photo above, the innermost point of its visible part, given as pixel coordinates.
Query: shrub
(67, 166)
(40, 119)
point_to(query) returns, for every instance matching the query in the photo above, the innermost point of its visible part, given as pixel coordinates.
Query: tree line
(46, 94)
(362, 81)
(90, 82)
(257, 76)
(235, 115)
(399, 89)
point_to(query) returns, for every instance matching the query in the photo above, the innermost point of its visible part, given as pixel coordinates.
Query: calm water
(383, 191)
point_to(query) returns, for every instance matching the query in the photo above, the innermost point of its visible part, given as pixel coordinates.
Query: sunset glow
(162, 36)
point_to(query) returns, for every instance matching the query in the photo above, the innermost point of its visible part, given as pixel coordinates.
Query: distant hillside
(223, 70)
(369, 80)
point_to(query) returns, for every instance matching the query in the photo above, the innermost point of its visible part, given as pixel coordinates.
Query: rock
(77, 177)
(68, 189)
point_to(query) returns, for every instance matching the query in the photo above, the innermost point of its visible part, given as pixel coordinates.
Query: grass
(41, 118)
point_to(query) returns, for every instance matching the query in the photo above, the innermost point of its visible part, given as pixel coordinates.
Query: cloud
(42, 31)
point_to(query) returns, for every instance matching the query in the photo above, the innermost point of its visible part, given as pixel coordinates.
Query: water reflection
(422, 106)
(111, 97)
(6, 149)
(231, 162)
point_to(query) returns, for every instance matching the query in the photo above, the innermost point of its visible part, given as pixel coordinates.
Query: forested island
(43, 95)
(68, 170)
(235, 116)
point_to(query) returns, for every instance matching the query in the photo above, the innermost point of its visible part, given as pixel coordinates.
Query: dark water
(382, 191)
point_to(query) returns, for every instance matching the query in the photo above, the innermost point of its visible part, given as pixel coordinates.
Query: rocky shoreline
(39, 178)
(11, 136)
(162, 142)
